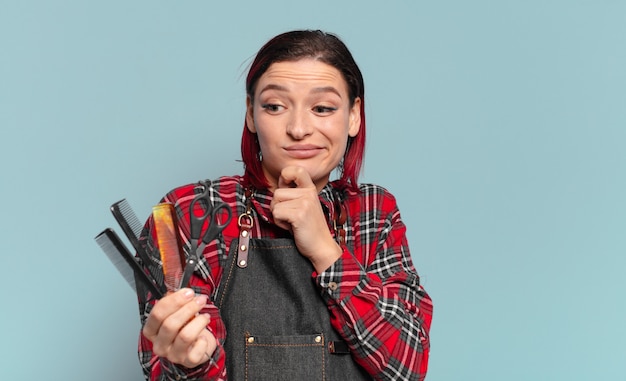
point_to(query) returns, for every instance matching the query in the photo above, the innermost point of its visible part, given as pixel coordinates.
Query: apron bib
(278, 327)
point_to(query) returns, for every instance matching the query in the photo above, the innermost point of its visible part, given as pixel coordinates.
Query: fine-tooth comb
(125, 262)
(128, 221)
(170, 248)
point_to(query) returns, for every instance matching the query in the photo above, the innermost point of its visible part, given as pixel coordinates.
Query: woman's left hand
(296, 207)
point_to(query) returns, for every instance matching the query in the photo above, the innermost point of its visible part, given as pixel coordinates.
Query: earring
(260, 156)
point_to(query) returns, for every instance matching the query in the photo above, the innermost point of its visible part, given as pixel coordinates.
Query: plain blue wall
(499, 125)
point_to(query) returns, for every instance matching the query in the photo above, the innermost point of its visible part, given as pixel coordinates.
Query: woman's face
(302, 117)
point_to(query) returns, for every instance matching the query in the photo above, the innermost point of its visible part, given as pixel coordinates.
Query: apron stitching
(285, 345)
(323, 359)
(272, 248)
(230, 273)
(246, 372)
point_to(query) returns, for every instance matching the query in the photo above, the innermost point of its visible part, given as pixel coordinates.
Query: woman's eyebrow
(272, 86)
(316, 90)
(326, 89)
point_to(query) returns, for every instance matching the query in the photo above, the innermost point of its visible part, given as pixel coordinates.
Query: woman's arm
(374, 294)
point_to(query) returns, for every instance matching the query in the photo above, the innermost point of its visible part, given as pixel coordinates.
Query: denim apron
(278, 327)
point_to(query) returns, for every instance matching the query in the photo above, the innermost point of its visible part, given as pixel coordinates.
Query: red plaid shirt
(376, 303)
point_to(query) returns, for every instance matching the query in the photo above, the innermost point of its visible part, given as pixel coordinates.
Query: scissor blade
(189, 269)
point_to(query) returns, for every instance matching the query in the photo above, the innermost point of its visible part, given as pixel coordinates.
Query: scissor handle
(197, 221)
(214, 226)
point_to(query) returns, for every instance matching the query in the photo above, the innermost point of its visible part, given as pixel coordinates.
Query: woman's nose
(299, 125)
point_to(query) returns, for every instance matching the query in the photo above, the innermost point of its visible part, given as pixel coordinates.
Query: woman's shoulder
(372, 197)
(373, 188)
(369, 191)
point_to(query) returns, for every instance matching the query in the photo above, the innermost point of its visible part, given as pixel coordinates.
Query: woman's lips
(303, 151)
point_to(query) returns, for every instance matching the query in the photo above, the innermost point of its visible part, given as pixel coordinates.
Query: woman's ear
(250, 115)
(355, 118)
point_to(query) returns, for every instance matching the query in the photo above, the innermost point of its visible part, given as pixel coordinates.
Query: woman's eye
(324, 109)
(271, 107)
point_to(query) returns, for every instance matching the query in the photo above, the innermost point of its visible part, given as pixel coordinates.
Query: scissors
(198, 239)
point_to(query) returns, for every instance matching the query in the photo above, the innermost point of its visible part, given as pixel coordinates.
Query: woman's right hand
(178, 332)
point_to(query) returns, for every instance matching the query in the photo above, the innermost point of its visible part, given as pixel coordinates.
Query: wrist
(329, 255)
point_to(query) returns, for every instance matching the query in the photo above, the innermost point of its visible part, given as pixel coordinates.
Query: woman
(314, 280)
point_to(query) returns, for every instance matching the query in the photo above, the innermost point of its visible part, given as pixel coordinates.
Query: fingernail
(188, 293)
(201, 300)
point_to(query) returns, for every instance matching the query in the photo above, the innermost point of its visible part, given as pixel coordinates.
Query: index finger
(165, 307)
(295, 177)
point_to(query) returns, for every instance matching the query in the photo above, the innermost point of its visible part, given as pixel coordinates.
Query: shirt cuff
(178, 372)
(341, 278)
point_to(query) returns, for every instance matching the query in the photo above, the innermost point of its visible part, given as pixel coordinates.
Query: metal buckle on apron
(338, 348)
(245, 223)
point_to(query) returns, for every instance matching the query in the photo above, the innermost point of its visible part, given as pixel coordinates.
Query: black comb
(128, 221)
(125, 262)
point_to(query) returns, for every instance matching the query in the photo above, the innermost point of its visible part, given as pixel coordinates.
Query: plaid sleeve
(374, 294)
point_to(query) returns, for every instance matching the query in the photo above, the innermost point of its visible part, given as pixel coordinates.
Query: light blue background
(499, 125)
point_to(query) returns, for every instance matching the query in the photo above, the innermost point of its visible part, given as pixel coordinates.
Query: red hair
(327, 48)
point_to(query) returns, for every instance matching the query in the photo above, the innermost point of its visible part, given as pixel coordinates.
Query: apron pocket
(288, 358)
